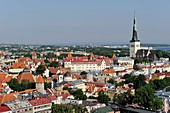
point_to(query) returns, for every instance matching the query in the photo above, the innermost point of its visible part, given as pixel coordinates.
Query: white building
(78, 64)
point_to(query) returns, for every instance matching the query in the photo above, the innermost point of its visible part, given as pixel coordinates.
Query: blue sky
(83, 21)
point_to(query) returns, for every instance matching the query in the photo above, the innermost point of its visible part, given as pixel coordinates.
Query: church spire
(134, 34)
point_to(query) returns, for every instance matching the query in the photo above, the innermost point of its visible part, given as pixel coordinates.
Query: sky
(83, 21)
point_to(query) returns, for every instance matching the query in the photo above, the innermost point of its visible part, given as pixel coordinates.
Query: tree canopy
(40, 69)
(16, 86)
(54, 64)
(103, 98)
(145, 96)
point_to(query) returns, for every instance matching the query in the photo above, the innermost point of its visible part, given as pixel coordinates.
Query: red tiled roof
(97, 84)
(4, 108)
(25, 76)
(52, 97)
(40, 101)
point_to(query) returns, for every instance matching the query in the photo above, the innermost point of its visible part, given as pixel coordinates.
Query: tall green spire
(134, 34)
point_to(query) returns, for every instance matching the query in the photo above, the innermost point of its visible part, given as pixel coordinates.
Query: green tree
(28, 55)
(14, 84)
(136, 67)
(103, 98)
(46, 61)
(157, 104)
(78, 94)
(26, 84)
(139, 81)
(61, 108)
(123, 98)
(112, 81)
(79, 109)
(145, 96)
(47, 85)
(137, 61)
(54, 64)
(40, 69)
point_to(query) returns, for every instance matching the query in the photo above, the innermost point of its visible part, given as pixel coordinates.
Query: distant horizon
(84, 44)
(68, 22)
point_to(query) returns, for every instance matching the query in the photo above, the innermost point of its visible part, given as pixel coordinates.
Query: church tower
(134, 42)
(40, 84)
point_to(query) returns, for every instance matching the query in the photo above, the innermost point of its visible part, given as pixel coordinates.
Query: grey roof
(137, 110)
(18, 104)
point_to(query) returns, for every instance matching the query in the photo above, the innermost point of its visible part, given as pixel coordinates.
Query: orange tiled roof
(48, 79)
(91, 89)
(107, 71)
(34, 54)
(65, 70)
(69, 55)
(7, 79)
(18, 65)
(7, 98)
(24, 59)
(25, 76)
(40, 79)
(100, 89)
(27, 91)
(2, 88)
(2, 76)
(114, 55)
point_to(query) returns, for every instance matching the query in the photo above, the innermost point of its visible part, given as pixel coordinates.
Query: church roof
(40, 79)
(134, 34)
